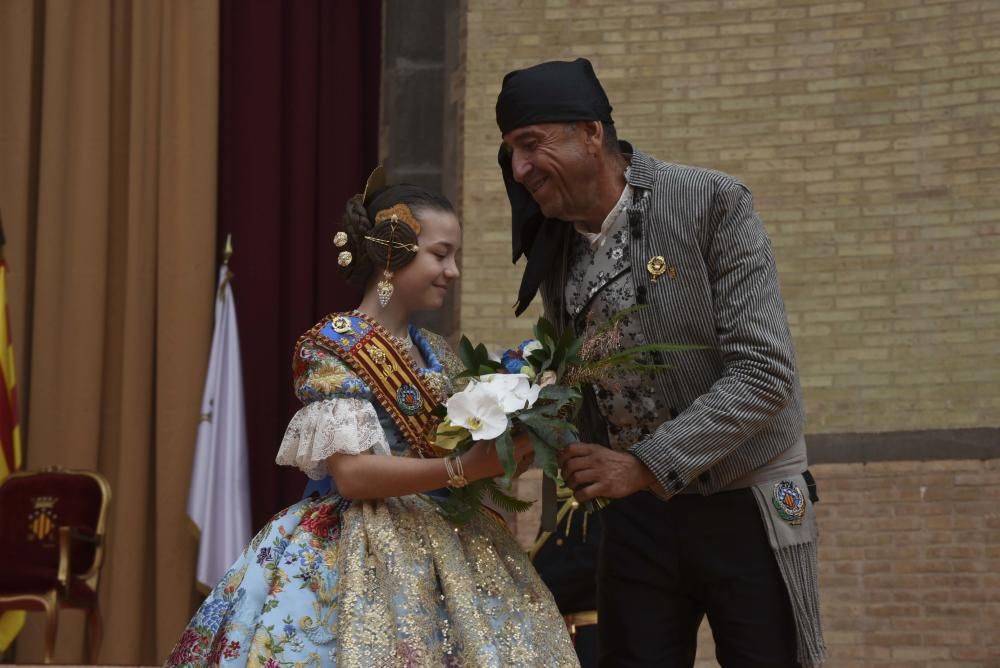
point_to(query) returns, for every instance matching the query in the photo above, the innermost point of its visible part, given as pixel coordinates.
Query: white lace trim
(327, 427)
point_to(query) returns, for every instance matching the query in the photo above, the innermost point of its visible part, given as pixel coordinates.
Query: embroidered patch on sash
(409, 400)
(789, 502)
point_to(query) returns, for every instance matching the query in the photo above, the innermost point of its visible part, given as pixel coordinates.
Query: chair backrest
(34, 504)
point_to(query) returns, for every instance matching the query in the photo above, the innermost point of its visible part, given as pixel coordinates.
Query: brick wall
(909, 563)
(868, 134)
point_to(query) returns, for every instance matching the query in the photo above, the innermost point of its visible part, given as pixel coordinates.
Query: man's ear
(594, 134)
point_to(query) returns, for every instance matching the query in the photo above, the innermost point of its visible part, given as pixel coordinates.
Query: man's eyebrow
(520, 135)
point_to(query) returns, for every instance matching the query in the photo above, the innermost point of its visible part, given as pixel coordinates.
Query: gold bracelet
(456, 475)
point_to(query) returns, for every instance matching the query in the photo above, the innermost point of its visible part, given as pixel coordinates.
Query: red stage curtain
(298, 134)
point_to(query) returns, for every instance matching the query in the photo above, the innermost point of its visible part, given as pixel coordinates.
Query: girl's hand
(481, 460)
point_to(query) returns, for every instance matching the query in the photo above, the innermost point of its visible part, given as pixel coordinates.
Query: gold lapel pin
(656, 267)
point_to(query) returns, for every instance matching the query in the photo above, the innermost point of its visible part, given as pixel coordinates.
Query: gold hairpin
(413, 248)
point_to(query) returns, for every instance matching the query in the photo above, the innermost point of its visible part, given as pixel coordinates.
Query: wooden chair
(52, 526)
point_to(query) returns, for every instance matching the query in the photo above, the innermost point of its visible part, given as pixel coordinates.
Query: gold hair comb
(376, 180)
(398, 213)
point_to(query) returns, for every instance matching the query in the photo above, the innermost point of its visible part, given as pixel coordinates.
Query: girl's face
(422, 284)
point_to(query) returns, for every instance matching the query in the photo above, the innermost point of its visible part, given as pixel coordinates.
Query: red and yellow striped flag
(11, 456)
(10, 428)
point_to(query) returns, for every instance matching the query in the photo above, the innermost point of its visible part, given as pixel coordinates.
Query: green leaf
(559, 393)
(544, 328)
(462, 504)
(505, 453)
(642, 369)
(507, 502)
(550, 430)
(451, 437)
(545, 455)
(482, 355)
(537, 357)
(566, 340)
(573, 353)
(467, 353)
(628, 354)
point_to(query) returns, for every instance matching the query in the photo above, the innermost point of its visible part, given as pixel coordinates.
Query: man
(707, 462)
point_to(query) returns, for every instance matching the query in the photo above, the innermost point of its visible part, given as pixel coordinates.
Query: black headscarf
(552, 92)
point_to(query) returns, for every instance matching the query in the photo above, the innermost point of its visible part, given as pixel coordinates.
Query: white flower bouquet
(533, 391)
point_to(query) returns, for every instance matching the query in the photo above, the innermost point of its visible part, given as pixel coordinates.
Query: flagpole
(226, 254)
(219, 495)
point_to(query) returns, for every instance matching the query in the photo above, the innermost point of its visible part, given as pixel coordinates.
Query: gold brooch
(345, 258)
(340, 239)
(341, 325)
(657, 266)
(378, 356)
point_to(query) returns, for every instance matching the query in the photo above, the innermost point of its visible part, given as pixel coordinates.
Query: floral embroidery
(599, 286)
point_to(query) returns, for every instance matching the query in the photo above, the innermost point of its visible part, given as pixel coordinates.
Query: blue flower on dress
(212, 614)
(355, 387)
(263, 555)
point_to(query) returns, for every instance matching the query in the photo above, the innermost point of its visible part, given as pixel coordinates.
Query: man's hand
(591, 471)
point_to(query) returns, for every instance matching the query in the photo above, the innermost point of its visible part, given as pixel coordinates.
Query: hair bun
(386, 256)
(357, 225)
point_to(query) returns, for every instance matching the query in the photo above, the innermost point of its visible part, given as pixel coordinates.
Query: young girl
(370, 574)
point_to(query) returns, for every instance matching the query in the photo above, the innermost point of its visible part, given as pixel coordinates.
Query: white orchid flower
(477, 409)
(513, 391)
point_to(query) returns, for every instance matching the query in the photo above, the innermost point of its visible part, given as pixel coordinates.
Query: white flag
(219, 500)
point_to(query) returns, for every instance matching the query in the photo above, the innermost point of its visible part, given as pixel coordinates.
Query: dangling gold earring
(384, 288)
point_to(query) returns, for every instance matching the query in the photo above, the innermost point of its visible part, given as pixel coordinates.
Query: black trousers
(666, 565)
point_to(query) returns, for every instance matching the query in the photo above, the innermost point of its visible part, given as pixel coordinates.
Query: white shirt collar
(597, 239)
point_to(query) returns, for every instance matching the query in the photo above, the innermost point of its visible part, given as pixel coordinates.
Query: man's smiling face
(551, 160)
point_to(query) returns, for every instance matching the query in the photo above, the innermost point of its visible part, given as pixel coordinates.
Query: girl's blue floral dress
(330, 582)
